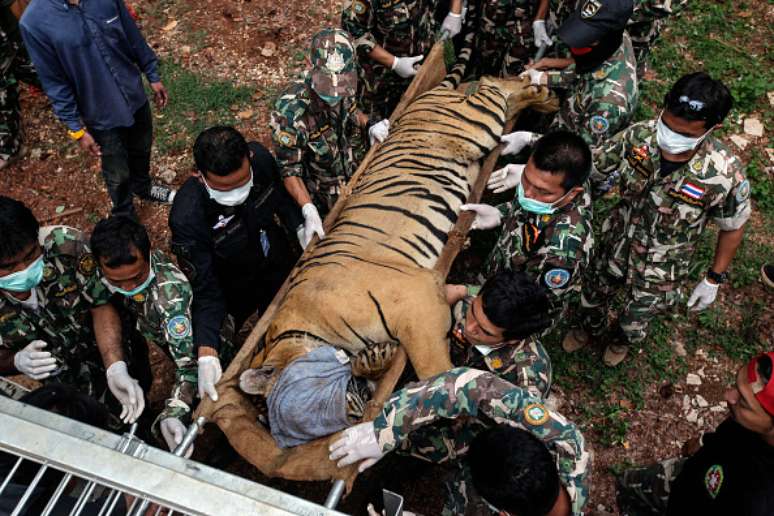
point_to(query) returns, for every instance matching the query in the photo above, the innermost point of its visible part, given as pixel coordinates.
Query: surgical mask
(233, 197)
(331, 100)
(25, 279)
(535, 206)
(675, 143)
(137, 289)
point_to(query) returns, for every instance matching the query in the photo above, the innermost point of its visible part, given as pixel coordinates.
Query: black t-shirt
(231, 253)
(667, 167)
(732, 474)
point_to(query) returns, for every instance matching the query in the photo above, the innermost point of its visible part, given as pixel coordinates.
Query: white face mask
(233, 197)
(674, 143)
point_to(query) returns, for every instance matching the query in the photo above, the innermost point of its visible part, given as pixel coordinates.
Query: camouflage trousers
(16, 66)
(645, 491)
(641, 303)
(379, 90)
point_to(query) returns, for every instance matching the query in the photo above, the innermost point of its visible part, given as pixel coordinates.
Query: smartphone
(393, 503)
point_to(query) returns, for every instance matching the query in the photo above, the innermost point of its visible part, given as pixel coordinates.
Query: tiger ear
(259, 381)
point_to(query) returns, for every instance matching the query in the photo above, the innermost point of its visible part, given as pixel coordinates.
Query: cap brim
(576, 33)
(342, 84)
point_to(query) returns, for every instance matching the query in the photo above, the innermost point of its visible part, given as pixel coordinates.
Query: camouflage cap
(333, 63)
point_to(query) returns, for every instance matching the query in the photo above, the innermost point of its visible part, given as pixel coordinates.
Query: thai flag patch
(692, 191)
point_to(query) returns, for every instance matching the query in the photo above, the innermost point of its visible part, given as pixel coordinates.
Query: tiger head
(522, 94)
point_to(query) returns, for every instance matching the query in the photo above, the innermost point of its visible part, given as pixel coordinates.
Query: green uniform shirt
(651, 234)
(602, 102)
(469, 393)
(554, 249)
(62, 316)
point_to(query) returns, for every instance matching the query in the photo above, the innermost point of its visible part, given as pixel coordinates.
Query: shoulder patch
(599, 124)
(536, 414)
(286, 139)
(599, 74)
(713, 480)
(179, 327)
(697, 166)
(139, 297)
(743, 191)
(556, 278)
(359, 7)
(86, 264)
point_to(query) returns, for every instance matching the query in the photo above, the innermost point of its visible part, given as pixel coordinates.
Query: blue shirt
(89, 58)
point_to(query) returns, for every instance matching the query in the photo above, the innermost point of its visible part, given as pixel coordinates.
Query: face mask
(588, 59)
(331, 100)
(535, 206)
(24, 280)
(137, 289)
(675, 143)
(233, 197)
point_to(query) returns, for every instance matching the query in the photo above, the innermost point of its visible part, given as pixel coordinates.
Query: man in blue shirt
(89, 55)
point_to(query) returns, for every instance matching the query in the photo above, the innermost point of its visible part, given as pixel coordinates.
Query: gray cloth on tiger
(309, 399)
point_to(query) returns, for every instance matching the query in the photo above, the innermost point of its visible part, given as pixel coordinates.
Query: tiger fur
(369, 285)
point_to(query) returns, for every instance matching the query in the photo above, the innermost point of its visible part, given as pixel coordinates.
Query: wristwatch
(717, 277)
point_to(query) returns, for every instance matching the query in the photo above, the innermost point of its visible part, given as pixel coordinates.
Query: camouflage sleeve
(358, 19)
(288, 146)
(607, 158)
(732, 213)
(64, 240)
(469, 392)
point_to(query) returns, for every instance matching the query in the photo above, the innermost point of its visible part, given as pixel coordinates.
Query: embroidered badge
(286, 139)
(743, 191)
(713, 480)
(599, 74)
(590, 8)
(87, 265)
(179, 327)
(536, 414)
(358, 7)
(599, 124)
(692, 191)
(697, 166)
(496, 362)
(556, 278)
(529, 235)
(139, 298)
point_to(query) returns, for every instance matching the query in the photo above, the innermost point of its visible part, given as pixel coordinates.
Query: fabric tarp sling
(234, 411)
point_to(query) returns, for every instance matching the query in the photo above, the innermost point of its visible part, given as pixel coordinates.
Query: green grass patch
(195, 103)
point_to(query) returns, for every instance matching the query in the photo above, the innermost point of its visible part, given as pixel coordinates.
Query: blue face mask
(24, 280)
(139, 288)
(535, 206)
(331, 100)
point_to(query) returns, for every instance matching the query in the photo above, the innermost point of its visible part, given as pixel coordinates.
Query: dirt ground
(256, 43)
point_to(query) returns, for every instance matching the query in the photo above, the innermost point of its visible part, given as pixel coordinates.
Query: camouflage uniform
(15, 65)
(554, 249)
(403, 28)
(602, 102)
(649, 237)
(476, 400)
(62, 318)
(500, 34)
(316, 143)
(163, 315)
(524, 363)
(643, 491)
(648, 18)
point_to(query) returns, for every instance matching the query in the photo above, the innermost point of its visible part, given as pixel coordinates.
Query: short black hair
(18, 227)
(514, 471)
(564, 152)
(697, 96)
(113, 238)
(514, 301)
(219, 150)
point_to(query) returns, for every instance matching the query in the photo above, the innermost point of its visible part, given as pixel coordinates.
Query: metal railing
(104, 473)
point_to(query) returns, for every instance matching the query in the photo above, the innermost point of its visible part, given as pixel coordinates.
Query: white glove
(173, 430)
(505, 178)
(515, 142)
(541, 36)
(379, 131)
(536, 77)
(209, 374)
(355, 444)
(487, 217)
(300, 235)
(404, 66)
(312, 223)
(452, 24)
(126, 390)
(33, 362)
(705, 293)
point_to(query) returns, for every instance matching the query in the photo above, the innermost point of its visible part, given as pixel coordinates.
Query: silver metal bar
(58, 493)
(190, 436)
(10, 475)
(84, 498)
(335, 494)
(30, 489)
